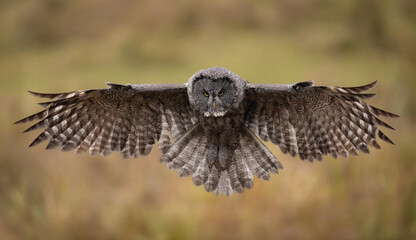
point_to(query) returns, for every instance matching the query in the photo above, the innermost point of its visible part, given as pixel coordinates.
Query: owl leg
(218, 152)
(223, 155)
(212, 154)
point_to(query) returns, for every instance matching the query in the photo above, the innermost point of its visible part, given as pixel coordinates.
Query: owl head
(215, 91)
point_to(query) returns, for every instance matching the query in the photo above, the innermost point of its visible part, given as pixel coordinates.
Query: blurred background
(58, 46)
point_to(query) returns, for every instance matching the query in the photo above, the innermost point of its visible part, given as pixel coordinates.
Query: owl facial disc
(215, 91)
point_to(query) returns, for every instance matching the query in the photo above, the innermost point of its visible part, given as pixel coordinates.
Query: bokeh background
(57, 45)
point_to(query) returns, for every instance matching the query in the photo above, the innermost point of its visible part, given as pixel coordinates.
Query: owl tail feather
(189, 156)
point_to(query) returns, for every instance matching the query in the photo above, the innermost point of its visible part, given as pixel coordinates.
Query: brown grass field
(59, 46)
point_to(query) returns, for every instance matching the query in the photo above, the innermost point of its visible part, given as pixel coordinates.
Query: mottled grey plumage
(214, 121)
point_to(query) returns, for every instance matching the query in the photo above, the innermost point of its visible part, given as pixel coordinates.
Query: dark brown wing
(125, 118)
(314, 121)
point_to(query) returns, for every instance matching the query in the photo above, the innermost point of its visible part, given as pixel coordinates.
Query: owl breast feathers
(211, 127)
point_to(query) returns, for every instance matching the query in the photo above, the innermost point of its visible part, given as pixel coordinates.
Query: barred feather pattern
(302, 119)
(124, 118)
(314, 121)
(189, 156)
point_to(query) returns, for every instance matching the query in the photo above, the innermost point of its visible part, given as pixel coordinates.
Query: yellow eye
(221, 93)
(206, 94)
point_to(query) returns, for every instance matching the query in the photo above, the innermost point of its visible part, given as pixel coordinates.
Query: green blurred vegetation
(57, 45)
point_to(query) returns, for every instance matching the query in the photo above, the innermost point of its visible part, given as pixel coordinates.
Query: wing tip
(44, 95)
(37, 94)
(19, 121)
(360, 89)
(369, 86)
(393, 115)
(34, 143)
(372, 84)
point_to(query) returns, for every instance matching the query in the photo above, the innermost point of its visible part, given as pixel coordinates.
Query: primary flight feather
(216, 121)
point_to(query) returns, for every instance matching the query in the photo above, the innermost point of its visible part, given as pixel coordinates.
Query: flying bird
(211, 127)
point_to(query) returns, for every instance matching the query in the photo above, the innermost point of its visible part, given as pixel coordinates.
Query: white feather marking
(58, 108)
(359, 105)
(292, 134)
(219, 114)
(366, 138)
(341, 90)
(77, 137)
(366, 116)
(70, 95)
(55, 129)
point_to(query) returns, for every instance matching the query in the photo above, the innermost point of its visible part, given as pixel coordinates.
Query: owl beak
(213, 104)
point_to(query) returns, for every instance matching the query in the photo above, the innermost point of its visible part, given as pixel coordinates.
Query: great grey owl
(216, 121)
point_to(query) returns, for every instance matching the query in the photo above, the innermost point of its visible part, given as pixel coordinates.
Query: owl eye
(206, 94)
(221, 93)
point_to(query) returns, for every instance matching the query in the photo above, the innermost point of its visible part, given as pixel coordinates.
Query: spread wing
(313, 121)
(124, 118)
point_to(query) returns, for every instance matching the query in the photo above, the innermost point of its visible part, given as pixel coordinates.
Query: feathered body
(215, 121)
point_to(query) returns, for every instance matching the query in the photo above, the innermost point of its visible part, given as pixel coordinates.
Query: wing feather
(311, 121)
(124, 118)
